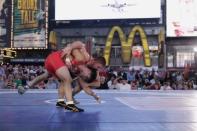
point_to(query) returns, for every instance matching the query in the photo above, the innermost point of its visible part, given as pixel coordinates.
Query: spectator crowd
(13, 76)
(145, 79)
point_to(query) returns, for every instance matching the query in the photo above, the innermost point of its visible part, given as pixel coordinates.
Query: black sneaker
(61, 104)
(73, 108)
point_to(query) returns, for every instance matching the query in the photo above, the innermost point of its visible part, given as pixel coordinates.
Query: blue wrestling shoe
(22, 89)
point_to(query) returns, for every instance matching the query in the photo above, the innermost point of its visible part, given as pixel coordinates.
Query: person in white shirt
(123, 85)
(166, 86)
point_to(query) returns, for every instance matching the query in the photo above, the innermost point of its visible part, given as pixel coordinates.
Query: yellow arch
(126, 45)
(125, 50)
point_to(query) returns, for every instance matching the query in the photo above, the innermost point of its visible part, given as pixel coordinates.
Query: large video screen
(106, 9)
(181, 18)
(29, 23)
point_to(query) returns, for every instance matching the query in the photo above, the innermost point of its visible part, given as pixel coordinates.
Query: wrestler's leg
(61, 91)
(76, 90)
(44, 76)
(61, 95)
(38, 79)
(63, 74)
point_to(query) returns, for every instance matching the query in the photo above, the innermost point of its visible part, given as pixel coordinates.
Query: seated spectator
(124, 85)
(166, 86)
(134, 85)
(147, 84)
(174, 87)
(185, 85)
(51, 84)
(9, 82)
(116, 83)
(41, 85)
(103, 84)
(180, 85)
(155, 86)
(111, 83)
(17, 81)
(190, 84)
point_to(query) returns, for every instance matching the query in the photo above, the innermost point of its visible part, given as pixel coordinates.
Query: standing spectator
(130, 76)
(2, 71)
(2, 82)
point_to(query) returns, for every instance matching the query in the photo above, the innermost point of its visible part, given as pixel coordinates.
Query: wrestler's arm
(69, 47)
(76, 45)
(76, 55)
(88, 90)
(96, 82)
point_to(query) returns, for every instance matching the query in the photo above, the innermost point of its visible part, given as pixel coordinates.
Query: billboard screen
(106, 9)
(29, 23)
(181, 18)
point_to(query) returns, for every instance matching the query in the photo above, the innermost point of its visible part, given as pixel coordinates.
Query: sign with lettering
(30, 23)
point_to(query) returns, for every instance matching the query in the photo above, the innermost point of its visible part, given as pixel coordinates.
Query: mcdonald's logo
(126, 45)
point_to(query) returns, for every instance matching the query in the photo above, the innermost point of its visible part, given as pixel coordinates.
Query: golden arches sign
(127, 44)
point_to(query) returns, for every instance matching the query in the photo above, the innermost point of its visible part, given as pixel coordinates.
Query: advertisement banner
(181, 18)
(4, 8)
(29, 23)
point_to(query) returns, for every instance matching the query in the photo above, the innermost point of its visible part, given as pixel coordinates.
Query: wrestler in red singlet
(54, 62)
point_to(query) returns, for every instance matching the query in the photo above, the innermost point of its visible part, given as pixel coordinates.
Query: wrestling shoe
(22, 89)
(61, 104)
(73, 108)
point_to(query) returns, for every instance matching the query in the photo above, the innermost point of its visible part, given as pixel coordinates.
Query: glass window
(170, 61)
(184, 58)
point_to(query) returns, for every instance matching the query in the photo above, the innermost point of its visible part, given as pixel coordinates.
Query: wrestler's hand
(85, 53)
(67, 62)
(98, 99)
(66, 51)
